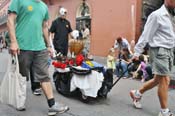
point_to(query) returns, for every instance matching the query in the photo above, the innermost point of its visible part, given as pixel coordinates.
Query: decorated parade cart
(79, 74)
(85, 76)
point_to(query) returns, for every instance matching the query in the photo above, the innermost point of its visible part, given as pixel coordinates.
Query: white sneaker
(125, 77)
(165, 114)
(136, 99)
(23, 108)
(37, 92)
(57, 108)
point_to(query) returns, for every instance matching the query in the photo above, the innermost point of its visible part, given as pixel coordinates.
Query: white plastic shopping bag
(13, 86)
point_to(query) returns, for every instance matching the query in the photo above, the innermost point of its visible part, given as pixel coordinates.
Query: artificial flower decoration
(57, 64)
(79, 59)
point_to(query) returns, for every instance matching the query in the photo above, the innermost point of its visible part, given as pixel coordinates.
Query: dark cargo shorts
(38, 61)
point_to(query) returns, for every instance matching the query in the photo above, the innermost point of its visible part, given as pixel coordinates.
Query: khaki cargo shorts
(161, 60)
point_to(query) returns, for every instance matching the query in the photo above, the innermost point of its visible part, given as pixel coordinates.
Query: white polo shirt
(158, 31)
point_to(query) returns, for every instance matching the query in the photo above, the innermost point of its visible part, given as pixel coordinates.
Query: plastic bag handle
(15, 62)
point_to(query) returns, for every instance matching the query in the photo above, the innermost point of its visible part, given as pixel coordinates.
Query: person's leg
(164, 65)
(161, 65)
(117, 69)
(40, 68)
(163, 91)
(47, 88)
(25, 61)
(157, 59)
(163, 95)
(65, 50)
(137, 94)
(35, 86)
(164, 81)
(149, 72)
(124, 69)
(149, 84)
(40, 65)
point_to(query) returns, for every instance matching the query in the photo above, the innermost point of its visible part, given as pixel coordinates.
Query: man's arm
(70, 31)
(52, 30)
(46, 33)
(46, 37)
(11, 20)
(150, 29)
(127, 43)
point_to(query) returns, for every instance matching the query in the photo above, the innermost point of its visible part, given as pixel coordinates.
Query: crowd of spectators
(120, 56)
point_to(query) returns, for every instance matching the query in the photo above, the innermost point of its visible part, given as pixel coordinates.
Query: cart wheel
(85, 98)
(56, 84)
(105, 96)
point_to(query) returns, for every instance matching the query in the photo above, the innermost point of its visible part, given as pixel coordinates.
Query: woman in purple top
(143, 69)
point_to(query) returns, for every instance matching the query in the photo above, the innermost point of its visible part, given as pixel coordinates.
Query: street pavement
(117, 103)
